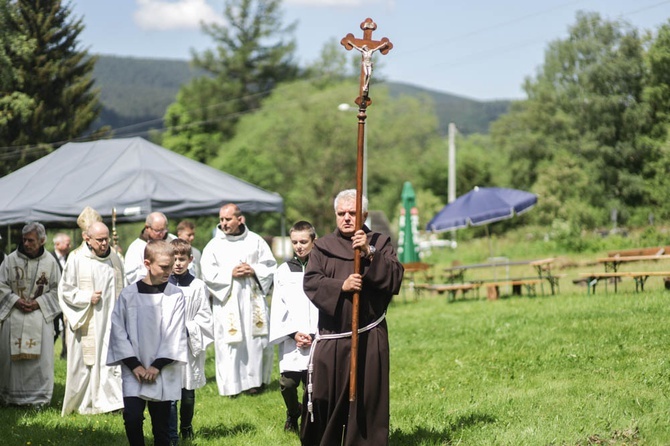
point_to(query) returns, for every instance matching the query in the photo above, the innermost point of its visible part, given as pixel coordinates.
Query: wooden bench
(653, 251)
(451, 288)
(640, 278)
(493, 288)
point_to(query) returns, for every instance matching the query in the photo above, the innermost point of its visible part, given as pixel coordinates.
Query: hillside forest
(590, 136)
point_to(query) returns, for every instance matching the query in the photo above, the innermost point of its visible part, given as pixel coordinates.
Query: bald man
(89, 287)
(155, 228)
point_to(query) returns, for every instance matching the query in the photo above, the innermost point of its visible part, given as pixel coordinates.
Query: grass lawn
(572, 369)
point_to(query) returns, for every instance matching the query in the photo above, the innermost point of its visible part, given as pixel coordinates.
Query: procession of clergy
(238, 269)
(94, 275)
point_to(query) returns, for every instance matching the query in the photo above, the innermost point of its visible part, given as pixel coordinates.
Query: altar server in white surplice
(148, 340)
(199, 332)
(89, 287)
(28, 305)
(238, 266)
(293, 321)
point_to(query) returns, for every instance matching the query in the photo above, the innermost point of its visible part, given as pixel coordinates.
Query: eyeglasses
(158, 231)
(101, 240)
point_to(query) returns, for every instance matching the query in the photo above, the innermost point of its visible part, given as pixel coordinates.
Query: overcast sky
(482, 49)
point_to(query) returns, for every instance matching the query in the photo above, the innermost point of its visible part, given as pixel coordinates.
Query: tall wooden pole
(366, 46)
(115, 236)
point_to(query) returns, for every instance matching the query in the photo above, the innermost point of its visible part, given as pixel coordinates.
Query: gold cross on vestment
(31, 343)
(18, 342)
(366, 46)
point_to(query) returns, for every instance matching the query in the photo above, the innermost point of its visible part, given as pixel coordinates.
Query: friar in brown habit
(329, 418)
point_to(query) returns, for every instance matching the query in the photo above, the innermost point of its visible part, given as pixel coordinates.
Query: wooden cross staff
(367, 47)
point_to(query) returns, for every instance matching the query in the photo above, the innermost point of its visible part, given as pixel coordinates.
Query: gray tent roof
(133, 175)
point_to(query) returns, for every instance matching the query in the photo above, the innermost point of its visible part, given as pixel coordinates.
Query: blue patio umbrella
(481, 206)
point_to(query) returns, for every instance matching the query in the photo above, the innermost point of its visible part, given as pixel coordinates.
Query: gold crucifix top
(366, 46)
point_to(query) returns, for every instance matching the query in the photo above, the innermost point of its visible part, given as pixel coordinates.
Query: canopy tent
(132, 175)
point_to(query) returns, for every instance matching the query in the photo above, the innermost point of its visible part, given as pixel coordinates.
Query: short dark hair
(185, 224)
(181, 247)
(303, 225)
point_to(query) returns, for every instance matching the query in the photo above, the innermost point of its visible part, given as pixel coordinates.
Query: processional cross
(366, 46)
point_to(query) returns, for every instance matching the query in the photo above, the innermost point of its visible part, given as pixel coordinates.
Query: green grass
(571, 369)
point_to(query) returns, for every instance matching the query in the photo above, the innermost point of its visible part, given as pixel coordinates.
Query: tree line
(589, 138)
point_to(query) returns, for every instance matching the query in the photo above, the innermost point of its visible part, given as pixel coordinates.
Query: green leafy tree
(254, 53)
(587, 100)
(45, 80)
(657, 85)
(331, 67)
(657, 96)
(15, 105)
(301, 146)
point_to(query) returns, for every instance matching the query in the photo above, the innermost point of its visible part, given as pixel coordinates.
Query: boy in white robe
(199, 333)
(293, 321)
(148, 340)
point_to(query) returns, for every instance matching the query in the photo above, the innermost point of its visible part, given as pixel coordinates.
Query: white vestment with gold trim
(91, 386)
(241, 320)
(27, 339)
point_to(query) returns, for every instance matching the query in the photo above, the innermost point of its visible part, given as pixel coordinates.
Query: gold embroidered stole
(26, 328)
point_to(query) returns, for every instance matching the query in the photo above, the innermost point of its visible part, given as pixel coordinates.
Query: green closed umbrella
(408, 243)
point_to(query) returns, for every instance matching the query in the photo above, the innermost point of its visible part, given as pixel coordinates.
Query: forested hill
(136, 92)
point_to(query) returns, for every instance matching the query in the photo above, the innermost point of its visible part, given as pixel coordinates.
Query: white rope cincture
(325, 337)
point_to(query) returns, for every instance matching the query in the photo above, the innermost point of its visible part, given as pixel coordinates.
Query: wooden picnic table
(542, 267)
(410, 271)
(640, 278)
(458, 271)
(613, 263)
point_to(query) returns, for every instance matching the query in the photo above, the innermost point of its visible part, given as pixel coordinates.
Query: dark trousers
(58, 321)
(288, 385)
(133, 418)
(185, 413)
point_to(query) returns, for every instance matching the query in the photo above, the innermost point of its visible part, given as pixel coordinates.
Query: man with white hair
(28, 305)
(155, 228)
(91, 283)
(61, 251)
(330, 283)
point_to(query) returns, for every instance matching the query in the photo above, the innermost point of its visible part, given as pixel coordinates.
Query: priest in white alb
(155, 228)
(90, 285)
(28, 305)
(238, 267)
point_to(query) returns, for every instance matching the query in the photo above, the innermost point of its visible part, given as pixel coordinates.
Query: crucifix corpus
(366, 46)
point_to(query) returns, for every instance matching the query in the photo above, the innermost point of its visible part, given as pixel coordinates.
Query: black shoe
(291, 423)
(256, 390)
(187, 433)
